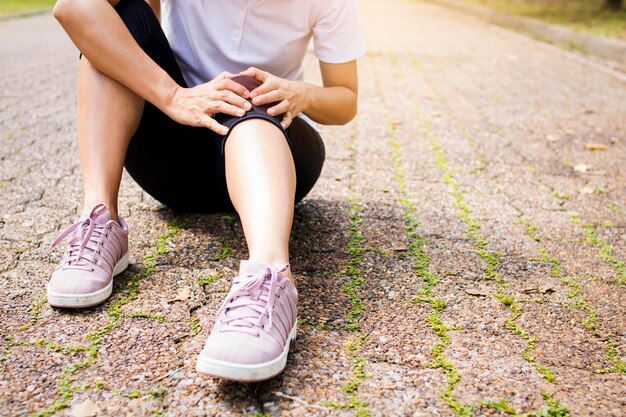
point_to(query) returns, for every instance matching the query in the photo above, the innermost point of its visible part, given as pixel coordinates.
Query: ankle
(88, 205)
(275, 262)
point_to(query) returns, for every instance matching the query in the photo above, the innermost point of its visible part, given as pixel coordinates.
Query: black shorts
(183, 166)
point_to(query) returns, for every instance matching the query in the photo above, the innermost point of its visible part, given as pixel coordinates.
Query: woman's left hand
(290, 95)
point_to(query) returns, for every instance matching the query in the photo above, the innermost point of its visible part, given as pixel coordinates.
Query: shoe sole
(246, 373)
(88, 300)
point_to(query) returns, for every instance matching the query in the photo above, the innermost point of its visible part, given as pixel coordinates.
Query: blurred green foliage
(16, 6)
(591, 16)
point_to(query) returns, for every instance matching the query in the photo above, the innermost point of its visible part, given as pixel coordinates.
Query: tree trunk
(613, 4)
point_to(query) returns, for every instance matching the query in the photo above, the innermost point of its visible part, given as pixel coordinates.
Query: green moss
(425, 294)
(553, 409)
(210, 279)
(490, 258)
(501, 406)
(316, 326)
(590, 322)
(606, 251)
(140, 314)
(55, 347)
(194, 326)
(615, 209)
(66, 386)
(8, 345)
(531, 229)
(224, 250)
(428, 283)
(157, 393)
(356, 250)
(158, 412)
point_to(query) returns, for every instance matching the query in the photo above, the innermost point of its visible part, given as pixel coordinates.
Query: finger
(232, 98)
(223, 107)
(235, 87)
(280, 108)
(210, 123)
(255, 73)
(267, 86)
(273, 96)
(287, 119)
(223, 75)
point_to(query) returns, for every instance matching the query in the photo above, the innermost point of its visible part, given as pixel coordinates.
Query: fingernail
(241, 112)
(255, 101)
(224, 131)
(271, 112)
(246, 94)
(247, 105)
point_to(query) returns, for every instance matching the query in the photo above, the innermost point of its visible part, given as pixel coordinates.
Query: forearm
(335, 105)
(99, 33)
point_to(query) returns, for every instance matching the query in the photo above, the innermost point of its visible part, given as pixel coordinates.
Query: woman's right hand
(195, 106)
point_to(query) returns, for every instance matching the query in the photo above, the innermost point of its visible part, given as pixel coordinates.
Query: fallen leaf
(183, 294)
(85, 409)
(546, 288)
(596, 146)
(588, 111)
(399, 248)
(582, 168)
(477, 292)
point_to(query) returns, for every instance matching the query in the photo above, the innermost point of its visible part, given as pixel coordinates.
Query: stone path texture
(462, 254)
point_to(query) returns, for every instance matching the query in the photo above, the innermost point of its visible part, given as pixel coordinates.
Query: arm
(336, 102)
(333, 104)
(100, 34)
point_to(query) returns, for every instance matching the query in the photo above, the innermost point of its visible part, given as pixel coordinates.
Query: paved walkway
(463, 253)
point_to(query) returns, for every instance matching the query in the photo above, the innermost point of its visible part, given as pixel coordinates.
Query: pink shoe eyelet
(258, 335)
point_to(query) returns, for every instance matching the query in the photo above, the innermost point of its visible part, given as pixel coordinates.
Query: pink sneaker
(254, 326)
(98, 251)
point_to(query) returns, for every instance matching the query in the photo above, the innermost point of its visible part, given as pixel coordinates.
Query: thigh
(145, 28)
(180, 166)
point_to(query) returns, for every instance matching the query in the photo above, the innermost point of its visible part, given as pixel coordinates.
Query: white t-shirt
(211, 36)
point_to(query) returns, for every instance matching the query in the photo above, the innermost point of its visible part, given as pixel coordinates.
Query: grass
(581, 15)
(17, 6)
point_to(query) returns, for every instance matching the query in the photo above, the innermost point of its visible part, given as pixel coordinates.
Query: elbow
(350, 113)
(61, 10)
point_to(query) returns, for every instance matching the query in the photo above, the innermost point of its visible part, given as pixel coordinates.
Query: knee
(256, 127)
(249, 82)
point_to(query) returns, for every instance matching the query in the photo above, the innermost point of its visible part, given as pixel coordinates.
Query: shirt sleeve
(336, 33)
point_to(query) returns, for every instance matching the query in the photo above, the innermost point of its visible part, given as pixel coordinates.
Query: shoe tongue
(103, 218)
(100, 214)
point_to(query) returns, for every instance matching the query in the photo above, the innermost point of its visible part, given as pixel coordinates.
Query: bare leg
(108, 115)
(261, 179)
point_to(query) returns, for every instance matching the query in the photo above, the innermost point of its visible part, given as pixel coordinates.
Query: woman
(207, 111)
